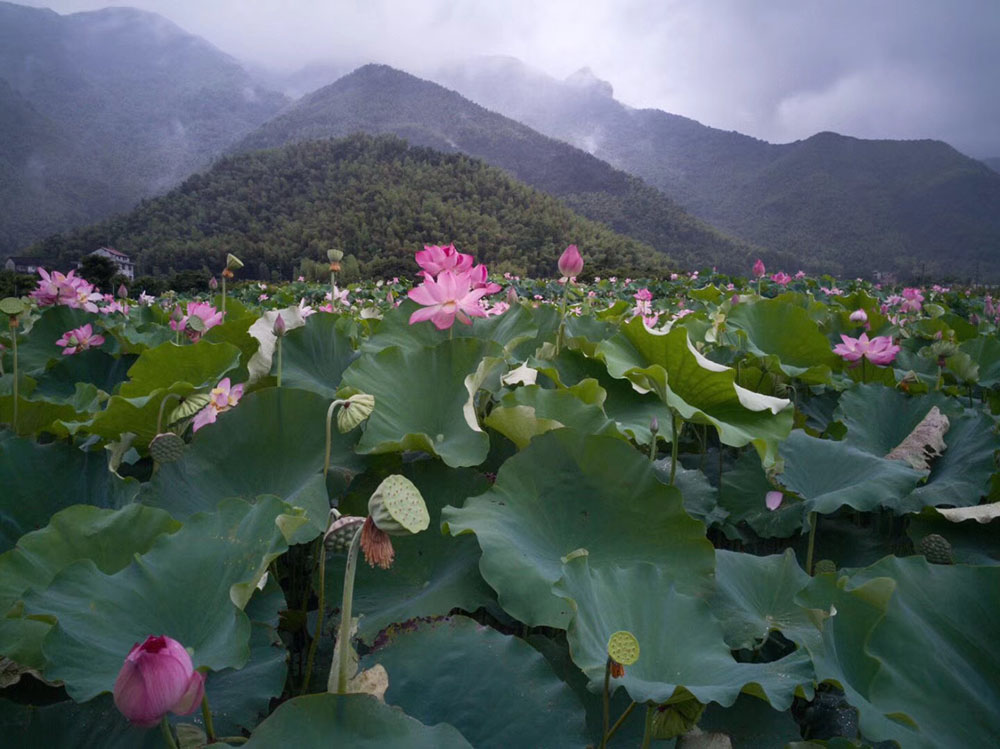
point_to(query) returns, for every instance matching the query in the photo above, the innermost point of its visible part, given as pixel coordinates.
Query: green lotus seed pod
(233, 262)
(397, 508)
(341, 532)
(335, 256)
(357, 408)
(167, 447)
(824, 567)
(623, 648)
(936, 549)
(12, 306)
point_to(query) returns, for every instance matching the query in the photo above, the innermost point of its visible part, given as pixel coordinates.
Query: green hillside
(374, 197)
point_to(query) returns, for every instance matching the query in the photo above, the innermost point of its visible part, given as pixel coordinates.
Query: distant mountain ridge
(852, 206)
(380, 99)
(100, 109)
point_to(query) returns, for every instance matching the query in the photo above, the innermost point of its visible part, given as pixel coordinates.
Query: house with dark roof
(124, 263)
(22, 264)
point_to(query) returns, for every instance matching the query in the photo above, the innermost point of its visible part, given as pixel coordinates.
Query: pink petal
(773, 500)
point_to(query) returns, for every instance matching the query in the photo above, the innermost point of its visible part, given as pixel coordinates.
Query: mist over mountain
(851, 205)
(380, 99)
(102, 108)
(993, 163)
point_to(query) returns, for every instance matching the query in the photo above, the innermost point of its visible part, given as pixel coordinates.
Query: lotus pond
(536, 513)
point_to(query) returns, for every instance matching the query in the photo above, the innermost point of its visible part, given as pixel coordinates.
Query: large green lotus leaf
(830, 475)
(39, 480)
(756, 595)
(319, 721)
(751, 723)
(569, 491)
(99, 617)
(315, 355)
(272, 442)
(521, 703)
(887, 613)
(698, 389)
(531, 410)
(93, 725)
(780, 328)
(37, 347)
(93, 367)
(37, 415)
(201, 364)
(420, 398)
(235, 329)
(744, 489)
(432, 573)
(700, 497)
(985, 351)
(509, 329)
(136, 415)
(878, 418)
(680, 643)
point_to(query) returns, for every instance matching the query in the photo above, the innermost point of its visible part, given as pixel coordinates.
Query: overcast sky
(775, 69)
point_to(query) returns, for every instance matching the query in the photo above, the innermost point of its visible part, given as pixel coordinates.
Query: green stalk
(329, 435)
(13, 338)
(562, 317)
(206, 714)
(279, 359)
(673, 446)
(606, 698)
(812, 543)
(621, 719)
(168, 736)
(333, 287)
(647, 733)
(319, 617)
(159, 416)
(223, 293)
(343, 639)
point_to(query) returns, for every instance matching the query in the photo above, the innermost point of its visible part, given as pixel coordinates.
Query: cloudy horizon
(780, 70)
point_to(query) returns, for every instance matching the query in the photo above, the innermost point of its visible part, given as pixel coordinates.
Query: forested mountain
(102, 108)
(851, 206)
(381, 99)
(993, 163)
(374, 197)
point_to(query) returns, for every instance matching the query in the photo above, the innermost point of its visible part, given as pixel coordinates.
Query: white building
(125, 265)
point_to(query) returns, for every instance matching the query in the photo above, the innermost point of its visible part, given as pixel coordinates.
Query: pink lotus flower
(859, 316)
(434, 260)
(480, 280)
(758, 269)
(157, 678)
(912, 300)
(450, 296)
(781, 278)
(773, 500)
(800, 274)
(879, 350)
(68, 290)
(79, 339)
(570, 262)
(224, 397)
(209, 316)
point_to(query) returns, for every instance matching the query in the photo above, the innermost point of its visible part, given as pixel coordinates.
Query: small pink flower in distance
(773, 500)
(800, 274)
(570, 262)
(224, 396)
(157, 678)
(781, 278)
(79, 339)
(449, 297)
(758, 269)
(643, 295)
(434, 260)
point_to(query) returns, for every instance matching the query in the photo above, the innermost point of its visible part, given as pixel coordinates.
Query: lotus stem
(223, 294)
(562, 317)
(333, 287)
(319, 616)
(329, 434)
(673, 446)
(168, 736)
(13, 340)
(647, 733)
(159, 416)
(621, 719)
(606, 699)
(279, 359)
(206, 714)
(343, 639)
(812, 543)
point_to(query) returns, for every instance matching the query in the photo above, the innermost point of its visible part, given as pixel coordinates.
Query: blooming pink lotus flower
(450, 296)
(758, 269)
(157, 678)
(68, 290)
(479, 277)
(570, 262)
(781, 278)
(209, 316)
(800, 274)
(913, 299)
(224, 396)
(79, 339)
(434, 260)
(879, 350)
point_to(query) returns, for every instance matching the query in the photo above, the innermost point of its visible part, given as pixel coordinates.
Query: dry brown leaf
(925, 442)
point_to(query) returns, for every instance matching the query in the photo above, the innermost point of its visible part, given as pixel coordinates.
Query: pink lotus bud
(213, 284)
(570, 262)
(122, 292)
(279, 325)
(156, 678)
(773, 500)
(859, 316)
(758, 268)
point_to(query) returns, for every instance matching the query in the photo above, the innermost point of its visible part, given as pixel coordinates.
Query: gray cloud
(776, 69)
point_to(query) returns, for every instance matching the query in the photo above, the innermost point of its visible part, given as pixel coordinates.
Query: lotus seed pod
(233, 262)
(335, 256)
(397, 508)
(166, 448)
(825, 567)
(936, 549)
(12, 306)
(341, 532)
(623, 648)
(355, 410)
